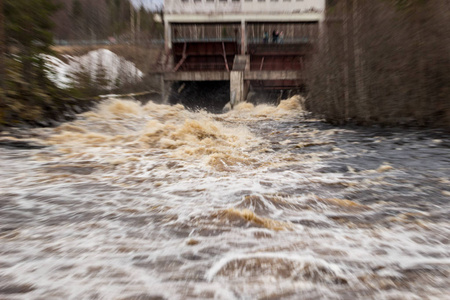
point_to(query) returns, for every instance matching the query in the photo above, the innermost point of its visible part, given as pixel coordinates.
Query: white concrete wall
(201, 7)
(240, 11)
(283, 6)
(243, 6)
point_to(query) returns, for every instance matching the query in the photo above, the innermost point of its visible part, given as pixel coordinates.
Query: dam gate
(254, 45)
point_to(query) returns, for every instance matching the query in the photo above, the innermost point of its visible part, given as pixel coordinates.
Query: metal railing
(189, 40)
(299, 40)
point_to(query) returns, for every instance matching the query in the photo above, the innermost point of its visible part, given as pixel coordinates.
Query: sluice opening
(209, 65)
(201, 95)
(272, 96)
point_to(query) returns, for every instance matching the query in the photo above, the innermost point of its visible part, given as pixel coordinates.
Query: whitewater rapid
(152, 201)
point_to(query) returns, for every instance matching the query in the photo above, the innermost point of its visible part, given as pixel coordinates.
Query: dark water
(156, 202)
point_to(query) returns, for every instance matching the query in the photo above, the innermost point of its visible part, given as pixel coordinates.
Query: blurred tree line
(383, 62)
(103, 19)
(26, 93)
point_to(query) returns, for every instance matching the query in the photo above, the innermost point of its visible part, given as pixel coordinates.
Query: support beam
(183, 58)
(225, 76)
(197, 76)
(238, 86)
(225, 57)
(243, 38)
(273, 75)
(164, 93)
(167, 36)
(248, 17)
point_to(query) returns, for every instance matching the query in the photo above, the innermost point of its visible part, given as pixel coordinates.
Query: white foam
(142, 202)
(302, 260)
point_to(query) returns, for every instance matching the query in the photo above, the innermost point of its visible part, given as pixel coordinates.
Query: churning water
(157, 202)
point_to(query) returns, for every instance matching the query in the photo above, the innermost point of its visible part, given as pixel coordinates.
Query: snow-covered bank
(102, 66)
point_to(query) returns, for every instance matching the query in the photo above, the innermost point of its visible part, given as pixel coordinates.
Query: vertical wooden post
(168, 37)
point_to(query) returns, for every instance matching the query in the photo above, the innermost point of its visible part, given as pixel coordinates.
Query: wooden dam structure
(257, 44)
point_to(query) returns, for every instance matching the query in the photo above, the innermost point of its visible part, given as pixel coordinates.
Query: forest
(102, 20)
(28, 31)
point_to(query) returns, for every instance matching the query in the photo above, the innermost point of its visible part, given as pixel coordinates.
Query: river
(151, 201)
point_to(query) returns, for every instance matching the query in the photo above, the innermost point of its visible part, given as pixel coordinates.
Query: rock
(77, 109)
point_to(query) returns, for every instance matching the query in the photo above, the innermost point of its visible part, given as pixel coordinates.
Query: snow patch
(114, 70)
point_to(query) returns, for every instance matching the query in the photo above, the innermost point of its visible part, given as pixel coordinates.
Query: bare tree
(2, 48)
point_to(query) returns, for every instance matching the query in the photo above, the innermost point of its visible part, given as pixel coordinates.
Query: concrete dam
(218, 51)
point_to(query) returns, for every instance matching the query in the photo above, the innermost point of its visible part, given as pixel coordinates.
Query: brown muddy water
(157, 202)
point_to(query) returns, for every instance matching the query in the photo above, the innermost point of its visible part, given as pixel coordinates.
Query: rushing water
(156, 202)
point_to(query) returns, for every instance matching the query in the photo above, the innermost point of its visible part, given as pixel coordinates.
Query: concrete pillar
(164, 94)
(243, 38)
(238, 86)
(246, 82)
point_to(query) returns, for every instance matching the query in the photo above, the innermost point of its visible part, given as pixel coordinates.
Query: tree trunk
(346, 64)
(419, 45)
(132, 24)
(350, 106)
(138, 26)
(361, 95)
(2, 48)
